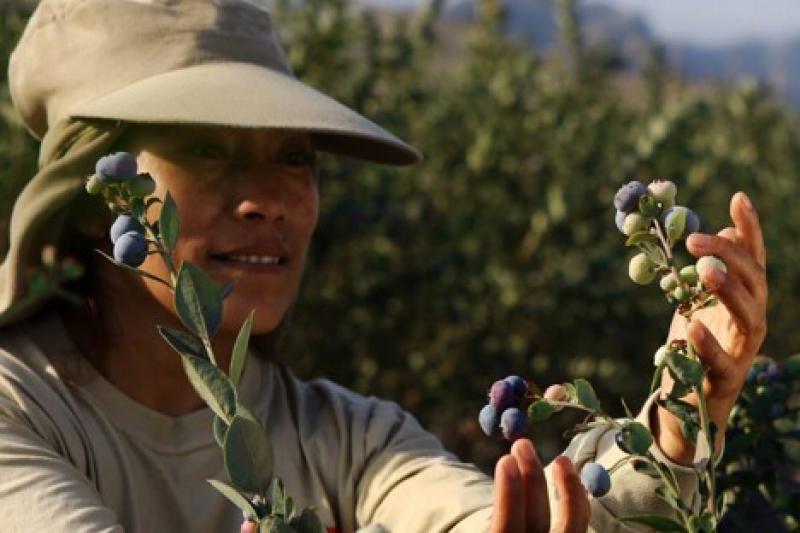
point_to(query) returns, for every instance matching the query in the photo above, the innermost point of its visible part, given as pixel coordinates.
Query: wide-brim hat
(85, 70)
(205, 62)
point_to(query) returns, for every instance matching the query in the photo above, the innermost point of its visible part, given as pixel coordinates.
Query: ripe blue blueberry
(489, 420)
(692, 224)
(124, 224)
(619, 220)
(627, 197)
(519, 387)
(116, 167)
(131, 249)
(774, 372)
(513, 424)
(595, 478)
(501, 395)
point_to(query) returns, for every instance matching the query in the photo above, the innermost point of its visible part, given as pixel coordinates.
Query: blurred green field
(498, 254)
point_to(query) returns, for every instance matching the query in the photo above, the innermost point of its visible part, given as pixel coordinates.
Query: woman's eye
(300, 159)
(208, 151)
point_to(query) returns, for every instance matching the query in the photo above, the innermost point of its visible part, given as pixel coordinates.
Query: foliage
(494, 253)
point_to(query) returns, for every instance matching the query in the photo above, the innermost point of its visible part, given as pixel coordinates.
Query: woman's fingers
(748, 227)
(739, 262)
(248, 527)
(572, 511)
(537, 517)
(720, 365)
(509, 513)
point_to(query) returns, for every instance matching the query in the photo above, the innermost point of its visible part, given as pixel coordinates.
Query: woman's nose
(262, 195)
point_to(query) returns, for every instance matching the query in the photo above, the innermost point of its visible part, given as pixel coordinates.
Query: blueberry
(692, 223)
(131, 249)
(660, 355)
(595, 478)
(708, 262)
(668, 282)
(688, 274)
(641, 269)
(93, 185)
(489, 420)
(634, 223)
(752, 376)
(664, 191)
(556, 393)
(627, 197)
(501, 395)
(116, 167)
(619, 220)
(124, 224)
(518, 385)
(774, 372)
(777, 410)
(513, 424)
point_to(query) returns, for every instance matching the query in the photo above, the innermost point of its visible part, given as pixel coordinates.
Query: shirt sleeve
(410, 483)
(632, 493)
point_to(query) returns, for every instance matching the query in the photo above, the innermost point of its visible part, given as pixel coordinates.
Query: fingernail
(526, 450)
(746, 201)
(700, 240)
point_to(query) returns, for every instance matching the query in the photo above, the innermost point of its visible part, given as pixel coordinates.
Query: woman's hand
(521, 504)
(726, 337)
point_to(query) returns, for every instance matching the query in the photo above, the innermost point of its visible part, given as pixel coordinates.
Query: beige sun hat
(84, 70)
(212, 62)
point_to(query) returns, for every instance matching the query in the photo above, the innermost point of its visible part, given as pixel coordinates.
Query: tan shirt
(79, 455)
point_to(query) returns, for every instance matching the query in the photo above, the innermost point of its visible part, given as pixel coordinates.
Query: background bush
(498, 254)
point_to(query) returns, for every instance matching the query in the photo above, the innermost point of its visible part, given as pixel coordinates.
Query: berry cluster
(504, 415)
(653, 223)
(117, 179)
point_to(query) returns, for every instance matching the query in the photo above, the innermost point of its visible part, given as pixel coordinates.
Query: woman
(102, 432)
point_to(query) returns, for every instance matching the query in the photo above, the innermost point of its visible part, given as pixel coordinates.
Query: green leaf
(644, 467)
(572, 394)
(275, 524)
(239, 355)
(182, 342)
(307, 522)
(278, 498)
(130, 268)
(212, 385)
(659, 523)
(235, 497)
(683, 369)
(540, 410)
(677, 225)
(679, 388)
(586, 395)
(636, 438)
(248, 456)
(227, 289)
(219, 428)
(669, 497)
(169, 223)
(687, 413)
(641, 237)
(198, 300)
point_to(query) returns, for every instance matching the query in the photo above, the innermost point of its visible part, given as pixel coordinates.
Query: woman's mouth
(258, 262)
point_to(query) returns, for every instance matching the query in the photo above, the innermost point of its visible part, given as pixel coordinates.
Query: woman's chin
(266, 318)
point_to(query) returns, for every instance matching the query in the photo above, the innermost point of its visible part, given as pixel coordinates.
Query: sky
(705, 22)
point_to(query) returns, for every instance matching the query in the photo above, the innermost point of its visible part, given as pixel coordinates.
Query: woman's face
(248, 204)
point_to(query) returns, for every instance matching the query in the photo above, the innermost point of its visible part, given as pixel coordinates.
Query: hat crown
(75, 51)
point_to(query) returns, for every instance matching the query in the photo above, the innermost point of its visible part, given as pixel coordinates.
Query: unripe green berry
(660, 355)
(556, 393)
(93, 185)
(142, 185)
(641, 269)
(664, 191)
(635, 222)
(681, 294)
(708, 262)
(668, 282)
(688, 274)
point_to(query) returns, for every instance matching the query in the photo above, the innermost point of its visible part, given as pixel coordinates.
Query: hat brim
(249, 96)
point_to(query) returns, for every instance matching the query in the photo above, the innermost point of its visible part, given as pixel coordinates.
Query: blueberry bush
(494, 254)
